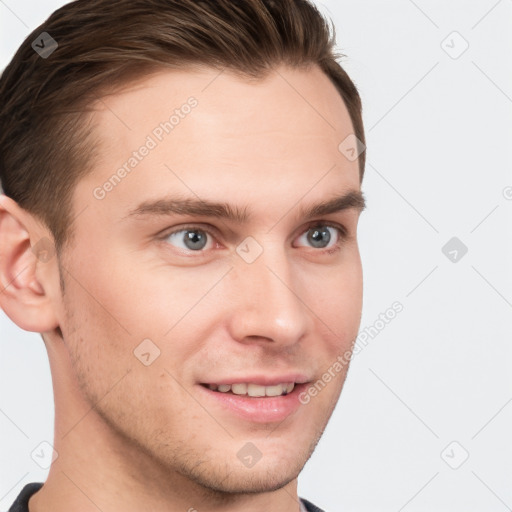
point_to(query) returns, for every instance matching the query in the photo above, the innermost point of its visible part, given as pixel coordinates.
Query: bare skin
(133, 437)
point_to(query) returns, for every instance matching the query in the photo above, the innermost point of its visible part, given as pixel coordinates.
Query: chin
(247, 481)
(220, 476)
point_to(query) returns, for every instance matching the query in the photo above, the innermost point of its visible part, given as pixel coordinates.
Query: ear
(28, 269)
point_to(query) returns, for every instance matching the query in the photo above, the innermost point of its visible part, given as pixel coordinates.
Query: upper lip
(262, 380)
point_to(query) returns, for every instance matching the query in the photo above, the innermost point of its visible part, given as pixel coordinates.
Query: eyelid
(199, 227)
(214, 232)
(343, 231)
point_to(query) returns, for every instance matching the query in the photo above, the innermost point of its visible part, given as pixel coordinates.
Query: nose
(267, 301)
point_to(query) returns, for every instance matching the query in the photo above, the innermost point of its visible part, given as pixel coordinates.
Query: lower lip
(258, 409)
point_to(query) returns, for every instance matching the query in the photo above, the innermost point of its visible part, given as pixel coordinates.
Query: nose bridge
(266, 304)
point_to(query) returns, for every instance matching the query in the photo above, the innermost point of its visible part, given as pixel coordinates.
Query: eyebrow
(353, 199)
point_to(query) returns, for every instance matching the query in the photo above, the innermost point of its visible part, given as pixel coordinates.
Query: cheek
(98, 346)
(147, 296)
(119, 302)
(338, 310)
(108, 372)
(338, 304)
(98, 330)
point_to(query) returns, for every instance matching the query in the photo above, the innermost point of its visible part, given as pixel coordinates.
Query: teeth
(239, 389)
(274, 390)
(254, 390)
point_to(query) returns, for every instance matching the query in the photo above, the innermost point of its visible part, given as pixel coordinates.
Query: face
(167, 296)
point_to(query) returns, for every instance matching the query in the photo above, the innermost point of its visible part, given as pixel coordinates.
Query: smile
(253, 390)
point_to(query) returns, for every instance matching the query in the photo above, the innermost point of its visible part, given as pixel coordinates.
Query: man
(179, 221)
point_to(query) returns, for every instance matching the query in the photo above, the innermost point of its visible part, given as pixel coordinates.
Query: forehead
(213, 134)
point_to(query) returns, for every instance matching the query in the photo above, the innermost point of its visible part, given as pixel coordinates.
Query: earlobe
(26, 258)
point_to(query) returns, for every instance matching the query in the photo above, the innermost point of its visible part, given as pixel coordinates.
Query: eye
(320, 236)
(189, 238)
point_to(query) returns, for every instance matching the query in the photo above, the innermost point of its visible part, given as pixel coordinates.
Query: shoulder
(21, 502)
(309, 506)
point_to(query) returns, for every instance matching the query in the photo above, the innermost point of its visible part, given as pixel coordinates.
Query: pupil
(195, 240)
(317, 235)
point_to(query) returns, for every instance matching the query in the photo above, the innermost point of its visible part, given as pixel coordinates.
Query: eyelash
(342, 232)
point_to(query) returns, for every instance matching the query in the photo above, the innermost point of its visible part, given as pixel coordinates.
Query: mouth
(256, 402)
(253, 390)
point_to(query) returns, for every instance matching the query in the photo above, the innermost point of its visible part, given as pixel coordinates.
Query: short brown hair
(46, 142)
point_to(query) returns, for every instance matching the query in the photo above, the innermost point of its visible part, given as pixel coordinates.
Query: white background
(439, 162)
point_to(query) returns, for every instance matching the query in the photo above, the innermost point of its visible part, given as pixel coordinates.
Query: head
(180, 212)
